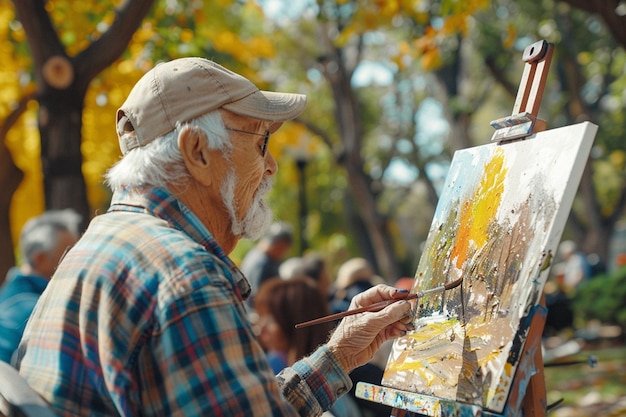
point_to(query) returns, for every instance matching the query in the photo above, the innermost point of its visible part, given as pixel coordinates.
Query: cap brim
(269, 105)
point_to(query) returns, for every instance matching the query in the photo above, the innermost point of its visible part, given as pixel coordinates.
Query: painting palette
(497, 224)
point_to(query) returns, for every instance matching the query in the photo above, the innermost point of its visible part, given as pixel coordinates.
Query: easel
(523, 120)
(538, 57)
(527, 395)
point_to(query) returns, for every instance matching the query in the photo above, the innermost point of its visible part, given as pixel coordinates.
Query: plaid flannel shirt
(145, 316)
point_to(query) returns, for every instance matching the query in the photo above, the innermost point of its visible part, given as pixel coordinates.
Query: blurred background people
(291, 268)
(262, 261)
(280, 305)
(311, 265)
(353, 277)
(405, 283)
(43, 241)
(560, 315)
(571, 269)
(574, 266)
(315, 266)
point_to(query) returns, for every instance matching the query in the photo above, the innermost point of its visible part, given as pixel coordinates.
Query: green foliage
(602, 298)
(577, 384)
(457, 53)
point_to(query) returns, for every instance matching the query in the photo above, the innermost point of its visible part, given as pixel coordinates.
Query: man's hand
(358, 337)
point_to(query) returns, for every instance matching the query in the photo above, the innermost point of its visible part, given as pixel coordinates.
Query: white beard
(259, 217)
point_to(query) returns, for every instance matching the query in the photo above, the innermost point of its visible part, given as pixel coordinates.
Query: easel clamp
(523, 120)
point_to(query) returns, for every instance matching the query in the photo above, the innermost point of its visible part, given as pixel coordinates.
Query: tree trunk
(375, 224)
(61, 87)
(608, 11)
(348, 117)
(60, 125)
(10, 178)
(593, 227)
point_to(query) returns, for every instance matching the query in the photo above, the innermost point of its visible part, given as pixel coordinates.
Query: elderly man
(43, 240)
(145, 315)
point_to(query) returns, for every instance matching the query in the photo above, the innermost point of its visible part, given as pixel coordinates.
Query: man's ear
(194, 149)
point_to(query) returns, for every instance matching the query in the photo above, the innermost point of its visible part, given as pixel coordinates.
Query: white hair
(160, 163)
(41, 234)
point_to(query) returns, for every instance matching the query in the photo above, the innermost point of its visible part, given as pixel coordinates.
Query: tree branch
(312, 127)
(41, 35)
(607, 11)
(10, 178)
(104, 51)
(499, 76)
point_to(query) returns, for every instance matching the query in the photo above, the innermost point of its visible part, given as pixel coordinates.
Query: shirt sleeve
(314, 383)
(14, 314)
(205, 360)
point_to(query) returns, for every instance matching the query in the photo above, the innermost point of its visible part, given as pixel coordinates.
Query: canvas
(498, 223)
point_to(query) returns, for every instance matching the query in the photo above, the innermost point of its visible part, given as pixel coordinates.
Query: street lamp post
(301, 150)
(301, 164)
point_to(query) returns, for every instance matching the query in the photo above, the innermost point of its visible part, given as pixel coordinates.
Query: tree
(62, 81)
(586, 74)
(460, 57)
(612, 12)
(458, 44)
(69, 45)
(371, 124)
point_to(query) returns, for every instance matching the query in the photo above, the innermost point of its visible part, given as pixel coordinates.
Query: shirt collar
(164, 205)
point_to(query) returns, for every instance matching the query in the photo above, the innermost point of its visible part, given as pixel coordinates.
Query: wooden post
(535, 402)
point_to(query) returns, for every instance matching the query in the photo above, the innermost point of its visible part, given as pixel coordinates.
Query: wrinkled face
(246, 185)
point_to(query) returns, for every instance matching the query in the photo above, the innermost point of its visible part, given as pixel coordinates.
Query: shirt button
(341, 391)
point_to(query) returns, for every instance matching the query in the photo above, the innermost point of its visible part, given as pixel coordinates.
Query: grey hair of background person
(145, 165)
(279, 232)
(41, 233)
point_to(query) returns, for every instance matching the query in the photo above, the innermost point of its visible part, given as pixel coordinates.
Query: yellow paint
(479, 211)
(434, 330)
(427, 337)
(491, 357)
(508, 370)
(429, 377)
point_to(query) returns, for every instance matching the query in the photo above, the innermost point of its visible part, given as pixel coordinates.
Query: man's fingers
(376, 294)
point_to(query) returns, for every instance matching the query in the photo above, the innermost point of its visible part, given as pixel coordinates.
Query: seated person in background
(262, 262)
(42, 242)
(353, 277)
(311, 265)
(281, 304)
(575, 268)
(315, 266)
(405, 283)
(291, 268)
(145, 315)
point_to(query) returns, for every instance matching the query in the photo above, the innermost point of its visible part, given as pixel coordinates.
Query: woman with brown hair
(280, 305)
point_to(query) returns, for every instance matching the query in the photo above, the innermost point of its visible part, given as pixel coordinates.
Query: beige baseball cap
(182, 89)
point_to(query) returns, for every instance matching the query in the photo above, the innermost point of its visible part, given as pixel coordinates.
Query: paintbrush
(380, 305)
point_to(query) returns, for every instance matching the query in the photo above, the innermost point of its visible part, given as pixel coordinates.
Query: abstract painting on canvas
(497, 224)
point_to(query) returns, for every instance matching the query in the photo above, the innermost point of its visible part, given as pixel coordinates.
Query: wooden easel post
(535, 402)
(525, 385)
(524, 122)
